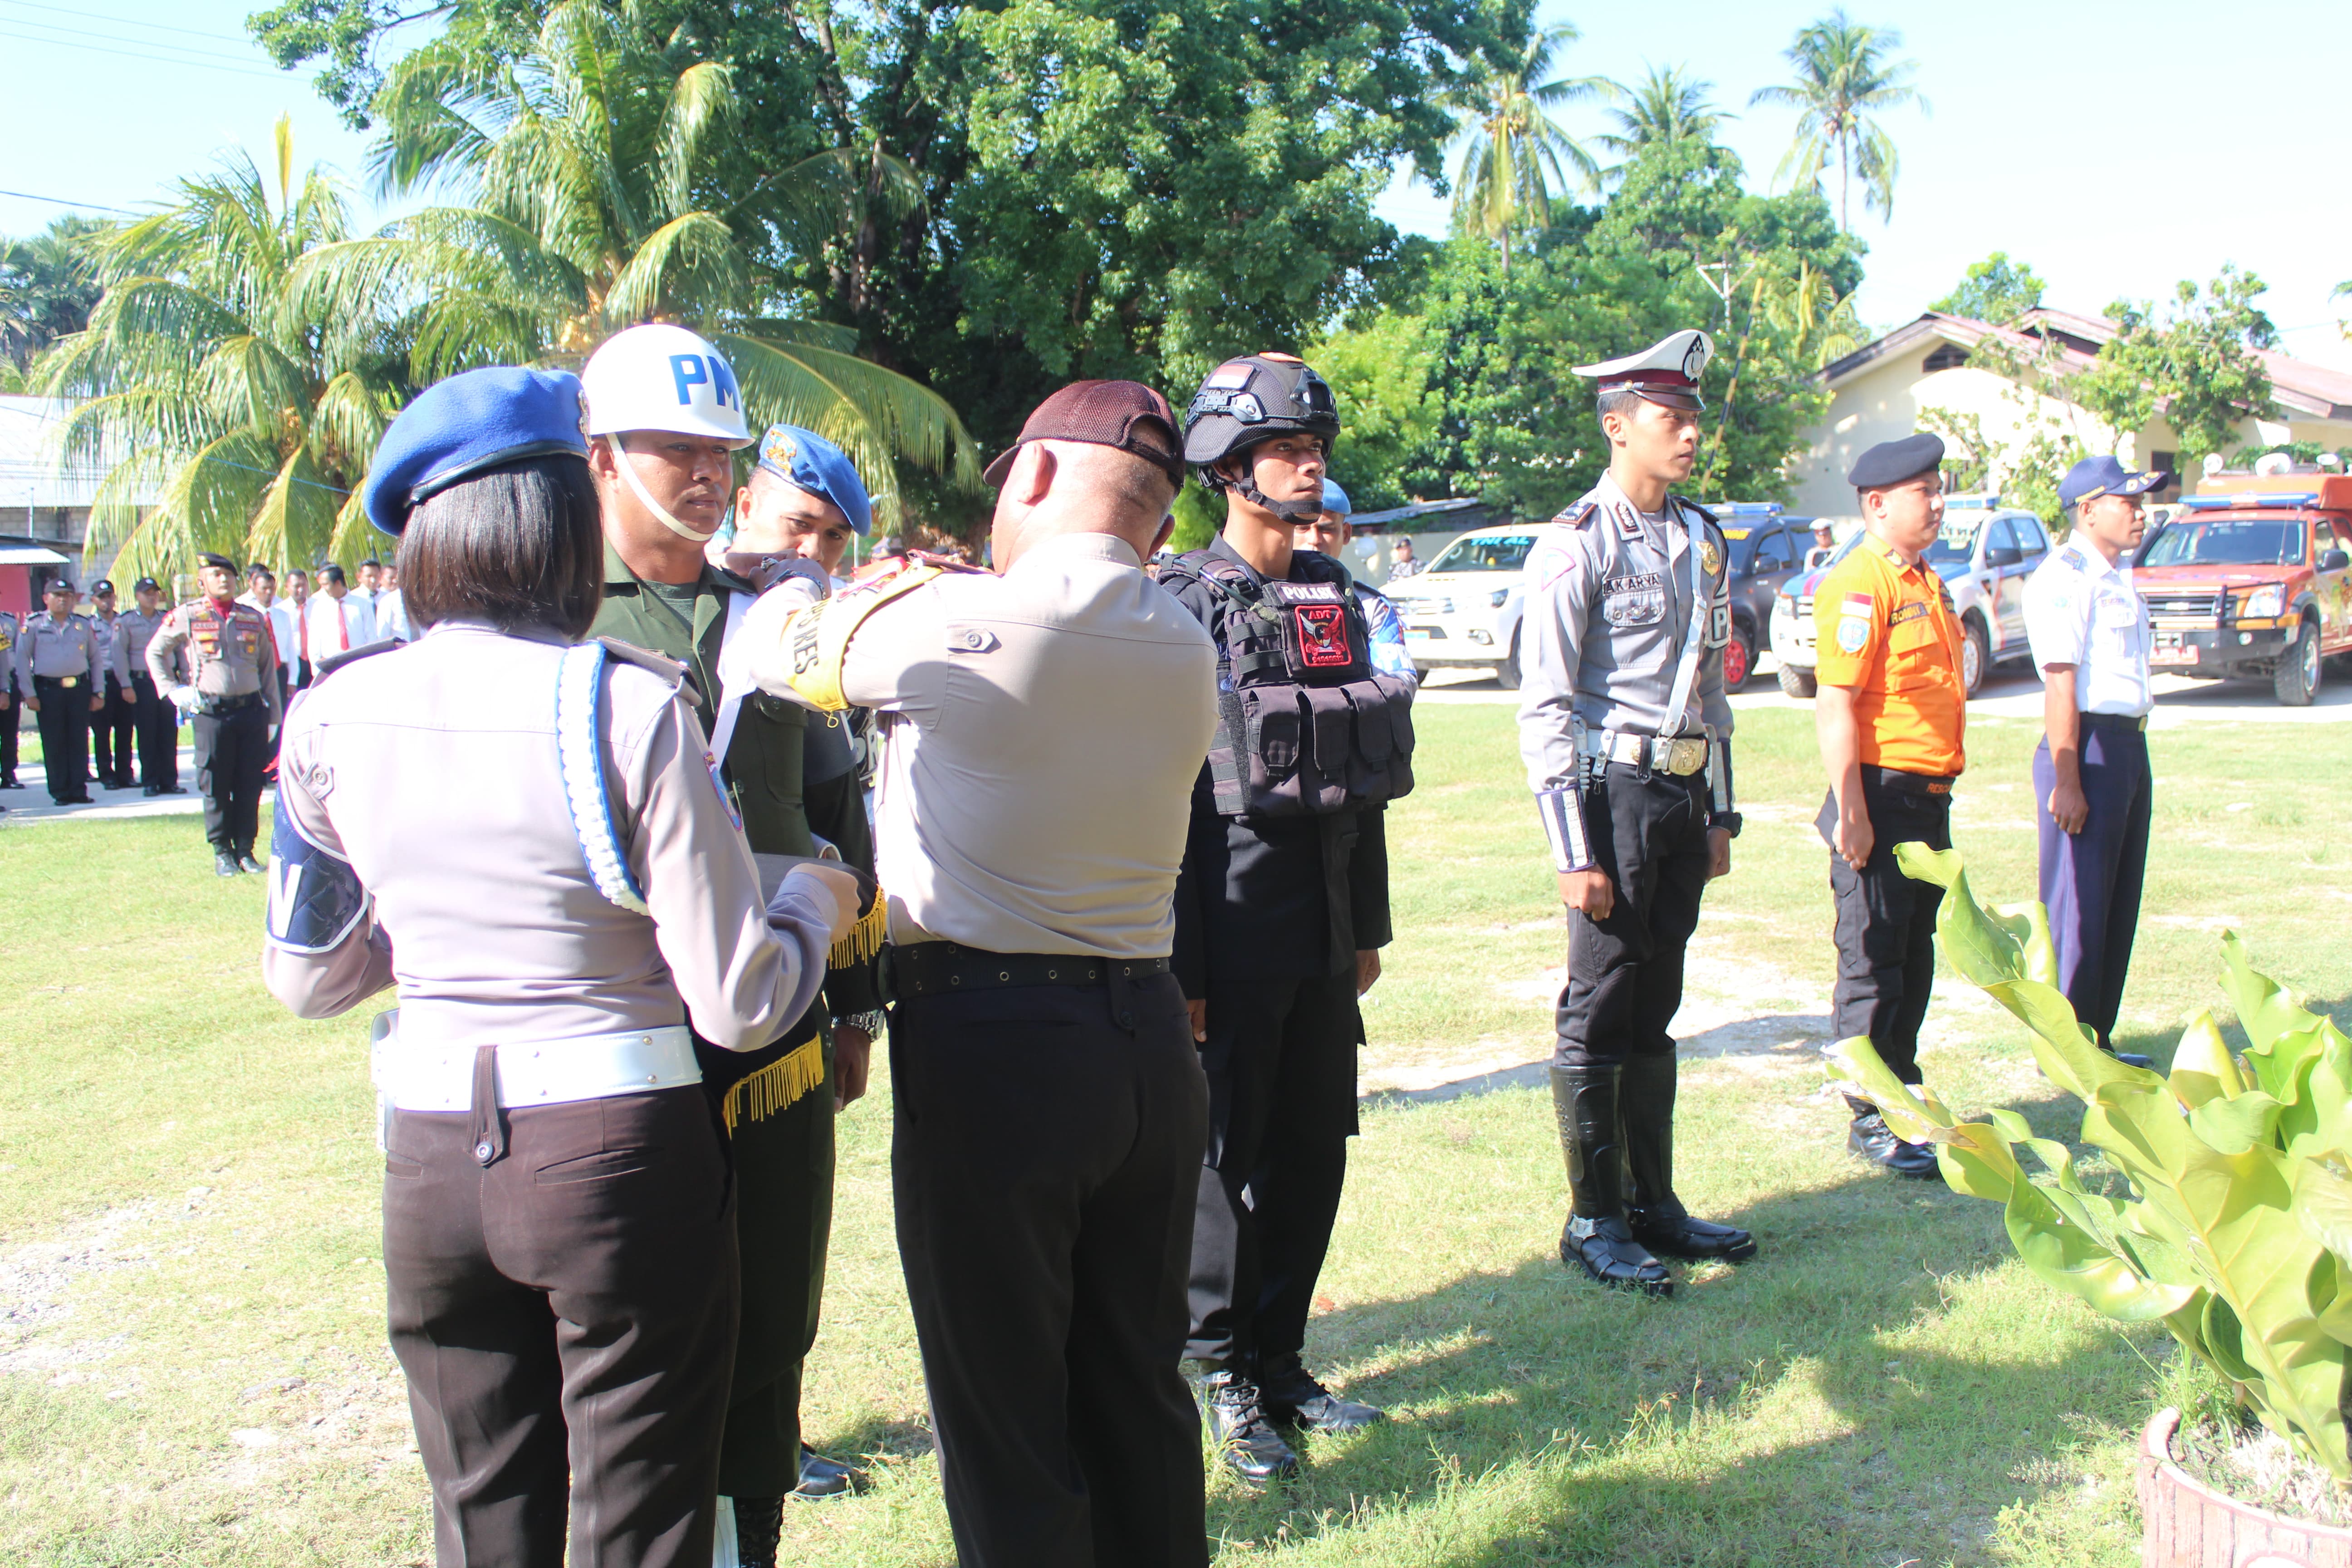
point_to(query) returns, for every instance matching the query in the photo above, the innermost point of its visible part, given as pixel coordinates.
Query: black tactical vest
(1306, 726)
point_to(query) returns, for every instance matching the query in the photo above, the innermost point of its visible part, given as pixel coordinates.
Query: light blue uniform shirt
(2082, 610)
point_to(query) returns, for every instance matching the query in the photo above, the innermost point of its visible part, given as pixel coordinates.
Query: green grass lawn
(193, 1367)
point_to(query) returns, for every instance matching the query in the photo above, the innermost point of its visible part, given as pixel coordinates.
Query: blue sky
(2116, 147)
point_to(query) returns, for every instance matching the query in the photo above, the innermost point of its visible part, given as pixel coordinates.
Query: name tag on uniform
(1636, 599)
(2119, 613)
(1910, 612)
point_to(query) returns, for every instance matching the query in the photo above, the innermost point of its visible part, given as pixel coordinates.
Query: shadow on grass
(1780, 1411)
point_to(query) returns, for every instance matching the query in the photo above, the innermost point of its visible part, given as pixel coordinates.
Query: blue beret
(807, 461)
(1335, 498)
(2095, 477)
(468, 423)
(1892, 462)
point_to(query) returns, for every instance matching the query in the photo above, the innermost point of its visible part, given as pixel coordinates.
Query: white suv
(1464, 612)
(1985, 554)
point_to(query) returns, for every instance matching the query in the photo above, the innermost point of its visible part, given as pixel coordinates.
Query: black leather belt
(1908, 784)
(2115, 721)
(213, 707)
(934, 968)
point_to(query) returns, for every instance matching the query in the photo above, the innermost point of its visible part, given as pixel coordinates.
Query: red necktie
(303, 623)
(342, 629)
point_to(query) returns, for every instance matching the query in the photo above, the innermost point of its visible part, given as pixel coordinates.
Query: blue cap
(1334, 498)
(468, 423)
(2095, 477)
(807, 461)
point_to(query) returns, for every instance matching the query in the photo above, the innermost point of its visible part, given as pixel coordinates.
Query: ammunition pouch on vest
(1306, 726)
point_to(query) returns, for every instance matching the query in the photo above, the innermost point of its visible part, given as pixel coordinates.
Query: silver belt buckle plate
(1685, 755)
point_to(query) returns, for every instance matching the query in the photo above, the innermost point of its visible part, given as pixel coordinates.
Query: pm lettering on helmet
(690, 371)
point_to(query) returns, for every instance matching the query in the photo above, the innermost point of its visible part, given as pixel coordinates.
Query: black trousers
(1280, 1061)
(2091, 881)
(566, 1318)
(231, 751)
(1625, 972)
(112, 728)
(158, 723)
(1887, 921)
(1042, 1162)
(10, 717)
(65, 737)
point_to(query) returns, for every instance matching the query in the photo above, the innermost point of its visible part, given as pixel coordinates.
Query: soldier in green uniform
(664, 418)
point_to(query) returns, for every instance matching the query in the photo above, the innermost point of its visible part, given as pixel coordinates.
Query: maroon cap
(1127, 414)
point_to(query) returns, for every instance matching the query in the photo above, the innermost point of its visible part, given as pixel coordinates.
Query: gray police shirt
(1608, 602)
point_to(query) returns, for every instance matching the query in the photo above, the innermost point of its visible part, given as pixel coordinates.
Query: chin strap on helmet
(629, 472)
(1288, 510)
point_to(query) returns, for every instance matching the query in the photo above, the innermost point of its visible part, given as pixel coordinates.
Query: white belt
(409, 1077)
(1680, 755)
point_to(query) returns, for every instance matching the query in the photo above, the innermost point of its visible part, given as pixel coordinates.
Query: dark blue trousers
(2091, 879)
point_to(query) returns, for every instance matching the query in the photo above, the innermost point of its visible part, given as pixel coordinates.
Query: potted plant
(2236, 1232)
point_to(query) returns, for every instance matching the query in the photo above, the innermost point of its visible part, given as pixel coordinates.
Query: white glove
(184, 699)
(797, 576)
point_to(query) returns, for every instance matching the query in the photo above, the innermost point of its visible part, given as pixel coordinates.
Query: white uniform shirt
(392, 616)
(2082, 610)
(334, 630)
(1041, 733)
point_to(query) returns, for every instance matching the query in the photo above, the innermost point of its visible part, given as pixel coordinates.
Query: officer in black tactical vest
(1283, 905)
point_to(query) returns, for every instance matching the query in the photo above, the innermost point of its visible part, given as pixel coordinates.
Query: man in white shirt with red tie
(336, 620)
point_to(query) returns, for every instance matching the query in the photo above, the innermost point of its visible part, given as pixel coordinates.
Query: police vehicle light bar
(2252, 498)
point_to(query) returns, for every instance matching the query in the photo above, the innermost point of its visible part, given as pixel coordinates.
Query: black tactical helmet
(1248, 400)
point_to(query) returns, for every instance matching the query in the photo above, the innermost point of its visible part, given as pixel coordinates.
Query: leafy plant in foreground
(2236, 1233)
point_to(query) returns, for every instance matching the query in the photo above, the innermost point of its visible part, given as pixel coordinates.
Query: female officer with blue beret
(524, 835)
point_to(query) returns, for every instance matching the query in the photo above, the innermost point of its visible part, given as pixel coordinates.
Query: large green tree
(49, 284)
(1516, 155)
(1843, 78)
(1099, 187)
(1995, 290)
(2195, 362)
(207, 385)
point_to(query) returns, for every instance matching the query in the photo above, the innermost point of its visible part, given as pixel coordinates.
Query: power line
(152, 60)
(61, 202)
(224, 462)
(126, 21)
(184, 51)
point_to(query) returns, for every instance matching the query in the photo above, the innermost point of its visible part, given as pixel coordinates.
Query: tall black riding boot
(1645, 1104)
(1584, 1100)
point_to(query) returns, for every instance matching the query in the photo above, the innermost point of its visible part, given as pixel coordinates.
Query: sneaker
(1292, 1397)
(1247, 1441)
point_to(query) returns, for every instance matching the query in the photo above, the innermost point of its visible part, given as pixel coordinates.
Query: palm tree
(1843, 76)
(48, 285)
(1666, 106)
(581, 167)
(1514, 145)
(206, 386)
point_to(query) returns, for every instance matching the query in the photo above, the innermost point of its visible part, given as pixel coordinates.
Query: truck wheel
(1976, 656)
(1506, 674)
(2297, 681)
(1795, 682)
(1738, 657)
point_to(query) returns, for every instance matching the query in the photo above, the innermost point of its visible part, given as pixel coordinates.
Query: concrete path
(30, 807)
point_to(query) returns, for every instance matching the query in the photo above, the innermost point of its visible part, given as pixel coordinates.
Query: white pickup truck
(1464, 612)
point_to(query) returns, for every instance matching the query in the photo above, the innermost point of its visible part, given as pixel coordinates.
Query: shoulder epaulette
(1579, 514)
(335, 661)
(680, 677)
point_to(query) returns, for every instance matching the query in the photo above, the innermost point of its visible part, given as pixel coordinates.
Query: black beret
(1892, 462)
(208, 559)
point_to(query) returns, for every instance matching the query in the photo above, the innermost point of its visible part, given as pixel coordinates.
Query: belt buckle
(1685, 755)
(70, 681)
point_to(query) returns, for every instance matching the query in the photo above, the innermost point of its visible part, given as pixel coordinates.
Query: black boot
(1239, 1426)
(822, 1477)
(1596, 1240)
(758, 1530)
(1875, 1141)
(1645, 1106)
(1292, 1397)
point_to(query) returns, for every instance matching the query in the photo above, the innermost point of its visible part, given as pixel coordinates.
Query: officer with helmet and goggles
(665, 418)
(1282, 904)
(1627, 733)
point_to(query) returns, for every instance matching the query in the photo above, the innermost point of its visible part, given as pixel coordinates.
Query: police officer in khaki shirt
(1041, 732)
(233, 698)
(12, 699)
(111, 730)
(156, 720)
(60, 668)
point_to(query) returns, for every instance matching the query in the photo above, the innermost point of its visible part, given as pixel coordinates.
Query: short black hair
(1616, 400)
(371, 560)
(258, 569)
(331, 573)
(519, 545)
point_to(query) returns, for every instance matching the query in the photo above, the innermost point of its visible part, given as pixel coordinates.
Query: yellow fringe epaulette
(775, 1088)
(865, 938)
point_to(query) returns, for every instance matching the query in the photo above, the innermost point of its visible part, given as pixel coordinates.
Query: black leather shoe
(1605, 1248)
(758, 1528)
(1291, 1397)
(1875, 1141)
(1247, 1441)
(245, 862)
(822, 1477)
(1669, 1229)
(224, 865)
(173, 789)
(2132, 1059)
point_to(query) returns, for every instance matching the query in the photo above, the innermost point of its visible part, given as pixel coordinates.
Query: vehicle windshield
(1488, 554)
(2228, 542)
(1957, 544)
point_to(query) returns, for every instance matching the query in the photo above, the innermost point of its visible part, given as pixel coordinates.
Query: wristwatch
(872, 1021)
